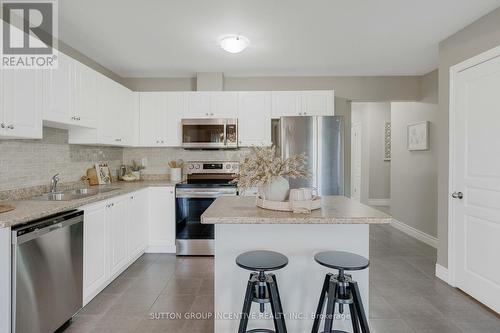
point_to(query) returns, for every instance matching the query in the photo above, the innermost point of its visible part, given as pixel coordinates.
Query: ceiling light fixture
(234, 43)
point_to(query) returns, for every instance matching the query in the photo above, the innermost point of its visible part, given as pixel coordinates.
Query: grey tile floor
(405, 297)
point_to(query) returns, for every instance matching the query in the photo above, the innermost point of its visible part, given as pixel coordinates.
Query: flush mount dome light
(234, 43)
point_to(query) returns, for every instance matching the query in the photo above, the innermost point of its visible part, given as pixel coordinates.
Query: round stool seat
(261, 260)
(342, 260)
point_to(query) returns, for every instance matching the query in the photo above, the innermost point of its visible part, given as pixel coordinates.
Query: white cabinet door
(175, 108)
(118, 221)
(21, 104)
(95, 264)
(198, 105)
(318, 103)
(285, 103)
(138, 223)
(161, 220)
(59, 91)
(126, 116)
(224, 104)
(254, 119)
(85, 105)
(151, 119)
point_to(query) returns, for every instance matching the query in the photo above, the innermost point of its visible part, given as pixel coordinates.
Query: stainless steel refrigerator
(322, 139)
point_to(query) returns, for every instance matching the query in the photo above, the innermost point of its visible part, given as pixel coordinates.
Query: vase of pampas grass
(268, 172)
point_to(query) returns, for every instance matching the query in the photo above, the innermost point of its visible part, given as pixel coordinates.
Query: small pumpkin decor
(263, 169)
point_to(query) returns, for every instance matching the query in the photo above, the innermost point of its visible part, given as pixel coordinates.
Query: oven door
(193, 237)
(204, 133)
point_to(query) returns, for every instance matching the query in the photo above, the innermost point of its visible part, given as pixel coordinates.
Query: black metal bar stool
(262, 288)
(341, 289)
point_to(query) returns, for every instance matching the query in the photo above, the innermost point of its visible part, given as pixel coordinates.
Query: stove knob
(235, 166)
(190, 166)
(228, 166)
(197, 166)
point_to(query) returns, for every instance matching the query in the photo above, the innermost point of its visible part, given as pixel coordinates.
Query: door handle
(457, 195)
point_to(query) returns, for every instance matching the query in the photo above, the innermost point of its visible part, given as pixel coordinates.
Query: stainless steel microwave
(219, 133)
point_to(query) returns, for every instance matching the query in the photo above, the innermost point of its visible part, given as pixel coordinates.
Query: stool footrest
(261, 330)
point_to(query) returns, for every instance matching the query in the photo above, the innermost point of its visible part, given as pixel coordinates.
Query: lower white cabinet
(95, 233)
(138, 222)
(118, 230)
(161, 220)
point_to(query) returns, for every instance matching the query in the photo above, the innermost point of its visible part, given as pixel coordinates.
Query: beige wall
(475, 39)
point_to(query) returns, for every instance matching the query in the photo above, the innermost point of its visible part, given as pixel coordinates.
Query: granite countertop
(334, 210)
(28, 210)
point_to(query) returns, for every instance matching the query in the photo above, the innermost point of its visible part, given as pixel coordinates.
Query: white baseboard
(379, 202)
(415, 233)
(442, 273)
(161, 249)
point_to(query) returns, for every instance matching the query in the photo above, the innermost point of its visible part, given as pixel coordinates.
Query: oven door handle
(201, 194)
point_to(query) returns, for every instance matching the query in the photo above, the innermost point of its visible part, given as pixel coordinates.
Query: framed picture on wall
(418, 136)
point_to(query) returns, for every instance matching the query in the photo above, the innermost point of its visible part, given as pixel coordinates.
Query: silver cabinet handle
(10, 126)
(300, 113)
(457, 195)
(2, 125)
(305, 113)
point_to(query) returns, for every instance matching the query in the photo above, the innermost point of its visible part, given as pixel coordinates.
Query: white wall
(375, 172)
(414, 173)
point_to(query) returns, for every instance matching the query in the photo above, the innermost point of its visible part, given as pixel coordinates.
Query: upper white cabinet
(69, 94)
(160, 117)
(217, 104)
(254, 118)
(20, 104)
(302, 103)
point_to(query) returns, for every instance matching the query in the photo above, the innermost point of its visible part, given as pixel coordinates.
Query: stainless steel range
(206, 181)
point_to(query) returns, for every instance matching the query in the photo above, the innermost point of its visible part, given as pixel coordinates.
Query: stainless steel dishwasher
(47, 272)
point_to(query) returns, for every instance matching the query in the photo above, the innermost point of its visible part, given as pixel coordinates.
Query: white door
(85, 102)
(317, 103)
(175, 105)
(224, 104)
(138, 223)
(475, 183)
(118, 220)
(162, 220)
(95, 268)
(356, 148)
(254, 119)
(286, 103)
(22, 103)
(198, 105)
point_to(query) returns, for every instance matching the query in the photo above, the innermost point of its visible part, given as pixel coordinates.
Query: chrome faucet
(53, 183)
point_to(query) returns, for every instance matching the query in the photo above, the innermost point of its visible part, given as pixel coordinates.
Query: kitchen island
(341, 224)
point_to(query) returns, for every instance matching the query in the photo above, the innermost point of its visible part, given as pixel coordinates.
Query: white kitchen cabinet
(317, 103)
(161, 220)
(95, 263)
(20, 104)
(217, 104)
(85, 101)
(117, 215)
(285, 103)
(224, 104)
(69, 94)
(254, 119)
(302, 103)
(138, 223)
(160, 118)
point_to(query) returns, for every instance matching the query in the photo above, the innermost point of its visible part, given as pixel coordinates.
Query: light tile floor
(404, 296)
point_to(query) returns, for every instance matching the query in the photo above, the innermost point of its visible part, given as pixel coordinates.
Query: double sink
(73, 194)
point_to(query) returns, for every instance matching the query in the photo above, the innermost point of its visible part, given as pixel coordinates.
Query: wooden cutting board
(6, 208)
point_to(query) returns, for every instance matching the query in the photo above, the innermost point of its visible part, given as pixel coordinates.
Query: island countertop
(334, 210)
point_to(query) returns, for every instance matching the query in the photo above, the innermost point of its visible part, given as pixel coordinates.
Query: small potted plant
(135, 169)
(263, 169)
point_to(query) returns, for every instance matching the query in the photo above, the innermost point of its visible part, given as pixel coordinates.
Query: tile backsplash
(31, 163)
(157, 158)
(26, 163)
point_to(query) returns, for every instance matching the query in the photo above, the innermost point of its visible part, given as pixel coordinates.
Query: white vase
(276, 190)
(175, 174)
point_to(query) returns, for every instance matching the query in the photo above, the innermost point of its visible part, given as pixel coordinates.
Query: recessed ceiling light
(234, 43)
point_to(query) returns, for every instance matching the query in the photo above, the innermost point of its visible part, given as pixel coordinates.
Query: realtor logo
(29, 34)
